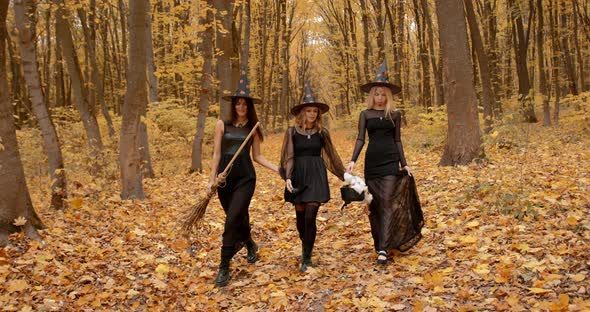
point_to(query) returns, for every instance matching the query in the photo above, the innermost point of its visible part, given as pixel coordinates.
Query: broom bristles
(197, 213)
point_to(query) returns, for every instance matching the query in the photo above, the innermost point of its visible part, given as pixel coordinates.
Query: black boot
(305, 259)
(252, 251)
(223, 276)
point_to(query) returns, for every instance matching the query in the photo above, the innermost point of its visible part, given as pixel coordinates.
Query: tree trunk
(355, 49)
(206, 49)
(426, 92)
(553, 14)
(144, 146)
(22, 10)
(541, 65)
(579, 57)
(491, 30)
(438, 84)
(464, 142)
(97, 87)
(47, 57)
(484, 68)
(87, 113)
(135, 103)
(224, 44)
(565, 48)
(286, 37)
(15, 201)
(400, 57)
(521, 46)
(151, 70)
(367, 47)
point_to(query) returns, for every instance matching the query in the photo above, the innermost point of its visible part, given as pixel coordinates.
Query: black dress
(239, 186)
(305, 158)
(395, 213)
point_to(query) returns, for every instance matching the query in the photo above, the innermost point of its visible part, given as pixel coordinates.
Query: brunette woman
(239, 186)
(395, 213)
(307, 152)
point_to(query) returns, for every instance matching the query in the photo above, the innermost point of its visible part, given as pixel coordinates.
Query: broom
(198, 211)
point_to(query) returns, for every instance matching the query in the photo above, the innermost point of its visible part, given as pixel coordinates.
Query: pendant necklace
(307, 132)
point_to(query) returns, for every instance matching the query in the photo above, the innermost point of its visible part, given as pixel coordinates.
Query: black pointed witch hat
(309, 100)
(243, 90)
(381, 80)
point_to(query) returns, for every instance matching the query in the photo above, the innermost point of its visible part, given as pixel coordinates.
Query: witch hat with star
(381, 80)
(309, 100)
(243, 89)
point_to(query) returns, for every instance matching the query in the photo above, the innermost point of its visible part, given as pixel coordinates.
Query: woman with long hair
(394, 214)
(307, 152)
(240, 182)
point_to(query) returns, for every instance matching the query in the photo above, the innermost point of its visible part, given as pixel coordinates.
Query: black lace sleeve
(287, 155)
(330, 156)
(397, 138)
(360, 139)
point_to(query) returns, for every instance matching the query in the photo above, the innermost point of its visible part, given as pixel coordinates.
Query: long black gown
(395, 213)
(239, 187)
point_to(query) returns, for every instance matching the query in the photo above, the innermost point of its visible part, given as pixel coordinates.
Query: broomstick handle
(231, 162)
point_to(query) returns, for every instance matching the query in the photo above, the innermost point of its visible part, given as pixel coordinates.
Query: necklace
(308, 132)
(240, 124)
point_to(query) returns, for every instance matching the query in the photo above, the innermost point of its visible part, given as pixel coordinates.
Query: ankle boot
(223, 276)
(252, 251)
(306, 259)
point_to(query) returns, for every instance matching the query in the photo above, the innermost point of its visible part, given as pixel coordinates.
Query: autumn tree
(135, 103)
(206, 50)
(464, 142)
(26, 30)
(16, 208)
(87, 112)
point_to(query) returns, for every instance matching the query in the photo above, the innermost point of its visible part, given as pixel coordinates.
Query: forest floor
(511, 233)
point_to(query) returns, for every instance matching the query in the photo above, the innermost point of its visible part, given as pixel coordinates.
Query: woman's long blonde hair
(389, 105)
(300, 119)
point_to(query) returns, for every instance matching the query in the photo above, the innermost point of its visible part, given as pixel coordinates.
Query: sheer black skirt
(395, 213)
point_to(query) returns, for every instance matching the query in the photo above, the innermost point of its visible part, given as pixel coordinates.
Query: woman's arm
(360, 141)
(218, 134)
(257, 156)
(287, 158)
(398, 142)
(331, 157)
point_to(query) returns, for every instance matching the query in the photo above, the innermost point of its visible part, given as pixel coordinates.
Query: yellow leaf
(536, 290)
(77, 202)
(571, 220)
(469, 239)
(162, 268)
(20, 221)
(472, 224)
(482, 269)
(17, 285)
(578, 277)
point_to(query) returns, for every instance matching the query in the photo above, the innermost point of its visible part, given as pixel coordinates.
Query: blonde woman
(307, 152)
(391, 226)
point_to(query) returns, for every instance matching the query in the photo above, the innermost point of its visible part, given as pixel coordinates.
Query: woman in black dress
(240, 182)
(395, 213)
(307, 152)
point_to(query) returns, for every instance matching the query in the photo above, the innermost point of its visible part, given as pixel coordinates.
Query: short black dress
(304, 160)
(395, 213)
(235, 195)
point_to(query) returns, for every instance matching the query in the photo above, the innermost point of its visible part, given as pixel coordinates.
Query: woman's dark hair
(251, 114)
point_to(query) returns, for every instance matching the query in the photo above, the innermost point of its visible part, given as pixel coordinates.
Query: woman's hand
(288, 185)
(408, 170)
(209, 186)
(350, 167)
